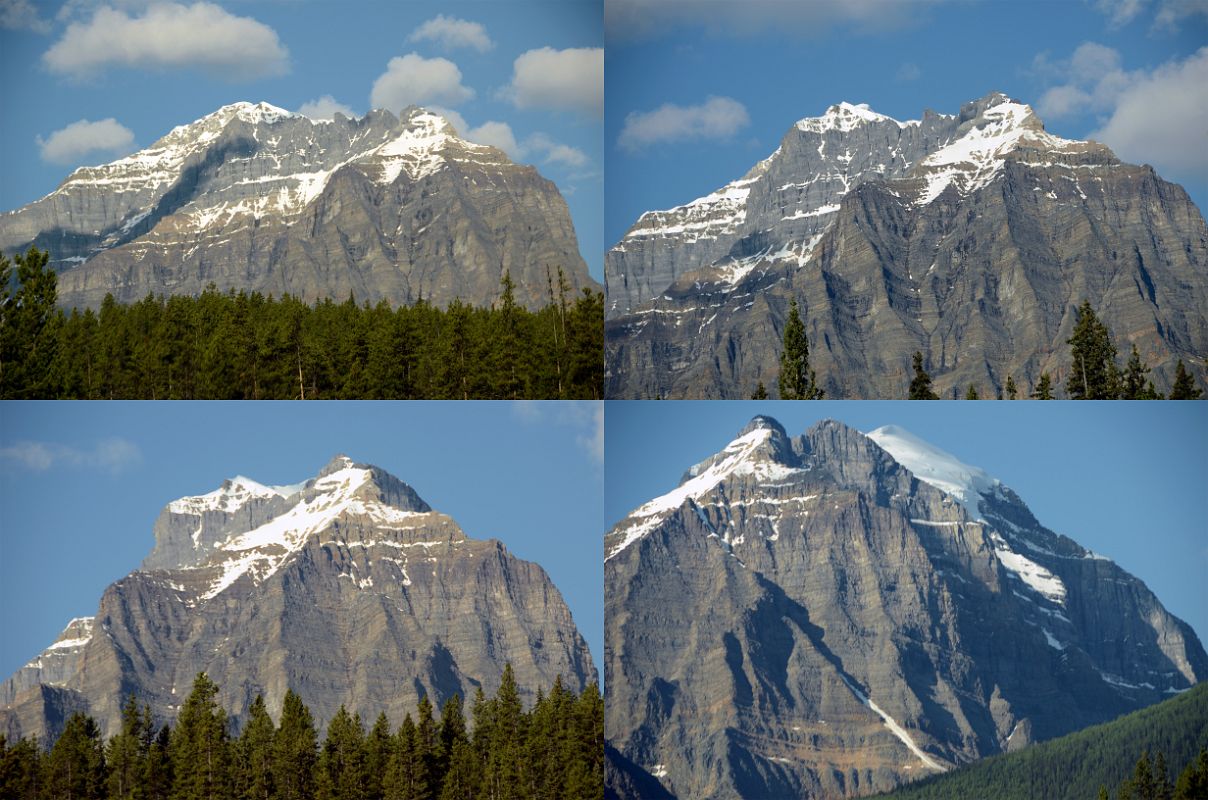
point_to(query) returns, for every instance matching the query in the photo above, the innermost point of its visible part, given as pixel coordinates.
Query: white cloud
(324, 107)
(571, 79)
(112, 455)
(496, 134)
(585, 416)
(72, 143)
(170, 35)
(450, 33)
(1093, 81)
(1169, 12)
(1157, 118)
(628, 19)
(909, 71)
(415, 80)
(1121, 11)
(539, 146)
(718, 118)
(17, 15)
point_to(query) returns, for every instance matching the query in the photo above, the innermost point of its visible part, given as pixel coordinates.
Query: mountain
(347, 588)
(1074, 766)
(837, 613)
(255, 197)
(970, 238)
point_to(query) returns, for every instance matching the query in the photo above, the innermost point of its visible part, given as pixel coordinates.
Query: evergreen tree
(920, 387)
(1044, 388)
(20, 768)
(1184, 385)
(971, 394)
(1135, 385)
(75, 768)
(29, 328)
(1012, 390)
(760, 393)
(157, 774)
(797, 380)
(452, 731)
(1192, 783)
(126, 754)
(294, 751)
(426, 777)
(400, 780)
(200, 746)
(379, 746)
(1163, 789)
(1094, 374)
(1143, 786)
(255, 754)
(341, 765)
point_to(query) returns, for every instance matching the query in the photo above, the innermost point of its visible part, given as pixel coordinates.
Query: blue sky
(82, 483)
(524, 75)
(1123, 479)
(1131, 72)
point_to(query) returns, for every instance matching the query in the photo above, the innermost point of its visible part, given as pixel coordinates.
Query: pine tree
(1044, 388)
(294, 751)
(200, 746)
(29, 329)
(1163, 789)
(1143, 785)
(157, 774)
(920, 387)
(427, 781)
(760, 393)
(797, 380)
(340, 771)
(1135, 385)
(971, 394)
(1094, 374)
(1193, 780)
(126, 754)
(1012, 390)
(20, 769)
(255, 753)
(75, 767)
(1184, 385)
(379, 746)
(452, 730)
(400, 783)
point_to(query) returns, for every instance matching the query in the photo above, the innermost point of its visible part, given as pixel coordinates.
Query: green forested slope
(1078, 765)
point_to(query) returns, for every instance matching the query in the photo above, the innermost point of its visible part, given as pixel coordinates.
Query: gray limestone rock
(348, 589)
(809, 617)
(969, 238)
(253, 197)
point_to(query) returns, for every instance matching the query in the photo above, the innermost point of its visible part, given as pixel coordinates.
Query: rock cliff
(254, 197)
(348, 589)
(837, 613)
(970, 238)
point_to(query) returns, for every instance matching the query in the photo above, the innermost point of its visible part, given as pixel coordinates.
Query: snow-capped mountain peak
(930, 464)
(846, 116)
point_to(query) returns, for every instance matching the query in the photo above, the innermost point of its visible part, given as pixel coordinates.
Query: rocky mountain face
(254, 197)
(837, 613)
(347, 588)
(971, 238)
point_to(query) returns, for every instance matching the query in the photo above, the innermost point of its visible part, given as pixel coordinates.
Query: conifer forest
(491, 749)
(246, 346)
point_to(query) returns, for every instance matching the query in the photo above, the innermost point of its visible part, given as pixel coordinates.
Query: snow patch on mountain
(933, 466)
(737, 458)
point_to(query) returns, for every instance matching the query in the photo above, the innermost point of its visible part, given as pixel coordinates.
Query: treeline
(1094, 762)
(554, 750)
(1095, 375)
(246, 346)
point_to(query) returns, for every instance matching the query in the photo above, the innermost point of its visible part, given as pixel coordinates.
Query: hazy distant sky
(1124, 479)
(82, 483)
(87, 81)
(698, 91)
